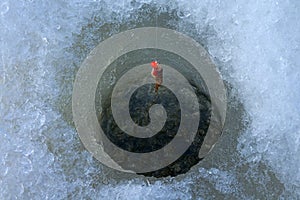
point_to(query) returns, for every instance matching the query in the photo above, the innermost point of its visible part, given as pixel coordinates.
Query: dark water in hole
(143, 98)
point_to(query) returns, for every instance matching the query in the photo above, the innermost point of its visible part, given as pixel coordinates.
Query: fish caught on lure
(157, 74)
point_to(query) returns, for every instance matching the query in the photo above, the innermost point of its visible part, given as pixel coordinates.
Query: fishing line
(156, 30)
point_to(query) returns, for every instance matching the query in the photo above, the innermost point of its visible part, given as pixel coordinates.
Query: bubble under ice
(256, 47)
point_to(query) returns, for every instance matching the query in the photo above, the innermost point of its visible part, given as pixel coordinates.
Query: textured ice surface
(256, 47)
(261, 43)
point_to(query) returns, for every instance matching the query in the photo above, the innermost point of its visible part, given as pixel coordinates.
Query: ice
(223, 181)
(261, 45)
(140, 190)
(4, 8)
(256, 47)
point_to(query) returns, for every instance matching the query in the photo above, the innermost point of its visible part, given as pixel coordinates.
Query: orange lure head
(154, 64)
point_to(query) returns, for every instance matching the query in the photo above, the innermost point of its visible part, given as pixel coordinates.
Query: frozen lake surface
(255, 45)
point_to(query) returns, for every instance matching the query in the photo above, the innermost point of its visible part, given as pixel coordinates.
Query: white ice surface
(40, 155)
